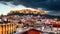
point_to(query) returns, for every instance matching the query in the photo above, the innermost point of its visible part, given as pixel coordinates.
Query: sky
(6, 7)
(52, 7)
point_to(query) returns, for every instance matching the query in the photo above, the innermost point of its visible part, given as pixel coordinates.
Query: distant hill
(41, 13)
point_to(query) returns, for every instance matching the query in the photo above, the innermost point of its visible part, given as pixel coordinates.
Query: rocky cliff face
(27, 11)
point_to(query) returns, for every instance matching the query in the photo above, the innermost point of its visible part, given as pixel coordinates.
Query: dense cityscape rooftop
(29, 18)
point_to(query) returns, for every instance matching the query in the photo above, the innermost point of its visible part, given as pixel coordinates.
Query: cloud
(6, 7)
(50, 6)
(46, 4)
(6, 0)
